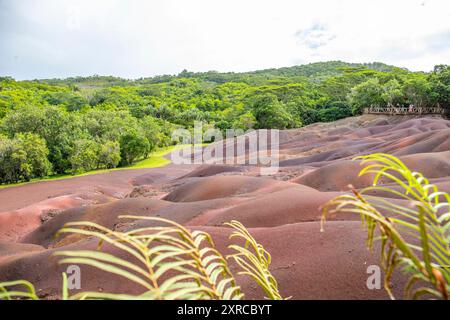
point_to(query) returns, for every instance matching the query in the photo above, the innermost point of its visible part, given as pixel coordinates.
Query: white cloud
(315, 37)
(134, 38)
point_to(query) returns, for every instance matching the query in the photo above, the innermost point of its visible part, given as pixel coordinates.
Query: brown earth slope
(282, 210)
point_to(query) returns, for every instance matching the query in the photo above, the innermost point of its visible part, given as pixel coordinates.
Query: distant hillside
(317, 71)
(324, 69)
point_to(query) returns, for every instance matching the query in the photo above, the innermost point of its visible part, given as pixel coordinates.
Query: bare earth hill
(281, 211)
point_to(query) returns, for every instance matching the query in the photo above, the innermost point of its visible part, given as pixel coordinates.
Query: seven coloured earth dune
(282, 211)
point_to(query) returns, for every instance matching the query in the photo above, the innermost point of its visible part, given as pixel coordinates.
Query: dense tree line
(80, 124)
(40, 140)
(418, 89)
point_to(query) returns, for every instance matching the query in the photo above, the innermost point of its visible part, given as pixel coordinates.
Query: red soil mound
(338, 176)
(281, 211)
(307, 263)
(212, 170)
(16, 224)
(221, 187)
(105, 215)
(275, 209)
(11, 250)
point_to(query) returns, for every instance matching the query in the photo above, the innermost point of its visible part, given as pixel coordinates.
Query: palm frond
(169, 262)
(166, 261)
(414, 238)
(254, 260)
(29, 293)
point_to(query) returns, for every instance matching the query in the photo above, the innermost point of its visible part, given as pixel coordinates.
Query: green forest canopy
(79, 124)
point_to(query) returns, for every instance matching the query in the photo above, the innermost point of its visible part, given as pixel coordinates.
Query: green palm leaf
(254, 260)
(414, 238)
(166, 261)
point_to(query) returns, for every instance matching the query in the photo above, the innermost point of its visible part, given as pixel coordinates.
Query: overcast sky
(137, 38)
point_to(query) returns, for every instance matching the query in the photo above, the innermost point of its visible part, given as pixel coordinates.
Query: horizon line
(203, 72)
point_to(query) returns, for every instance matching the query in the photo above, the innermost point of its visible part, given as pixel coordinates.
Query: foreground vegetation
(167, 262)
(80, 124)
(414, 238)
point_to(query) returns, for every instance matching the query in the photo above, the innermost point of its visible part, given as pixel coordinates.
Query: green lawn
(155, 160)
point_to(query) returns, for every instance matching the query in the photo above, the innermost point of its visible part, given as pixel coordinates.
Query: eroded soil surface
(281, 211)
